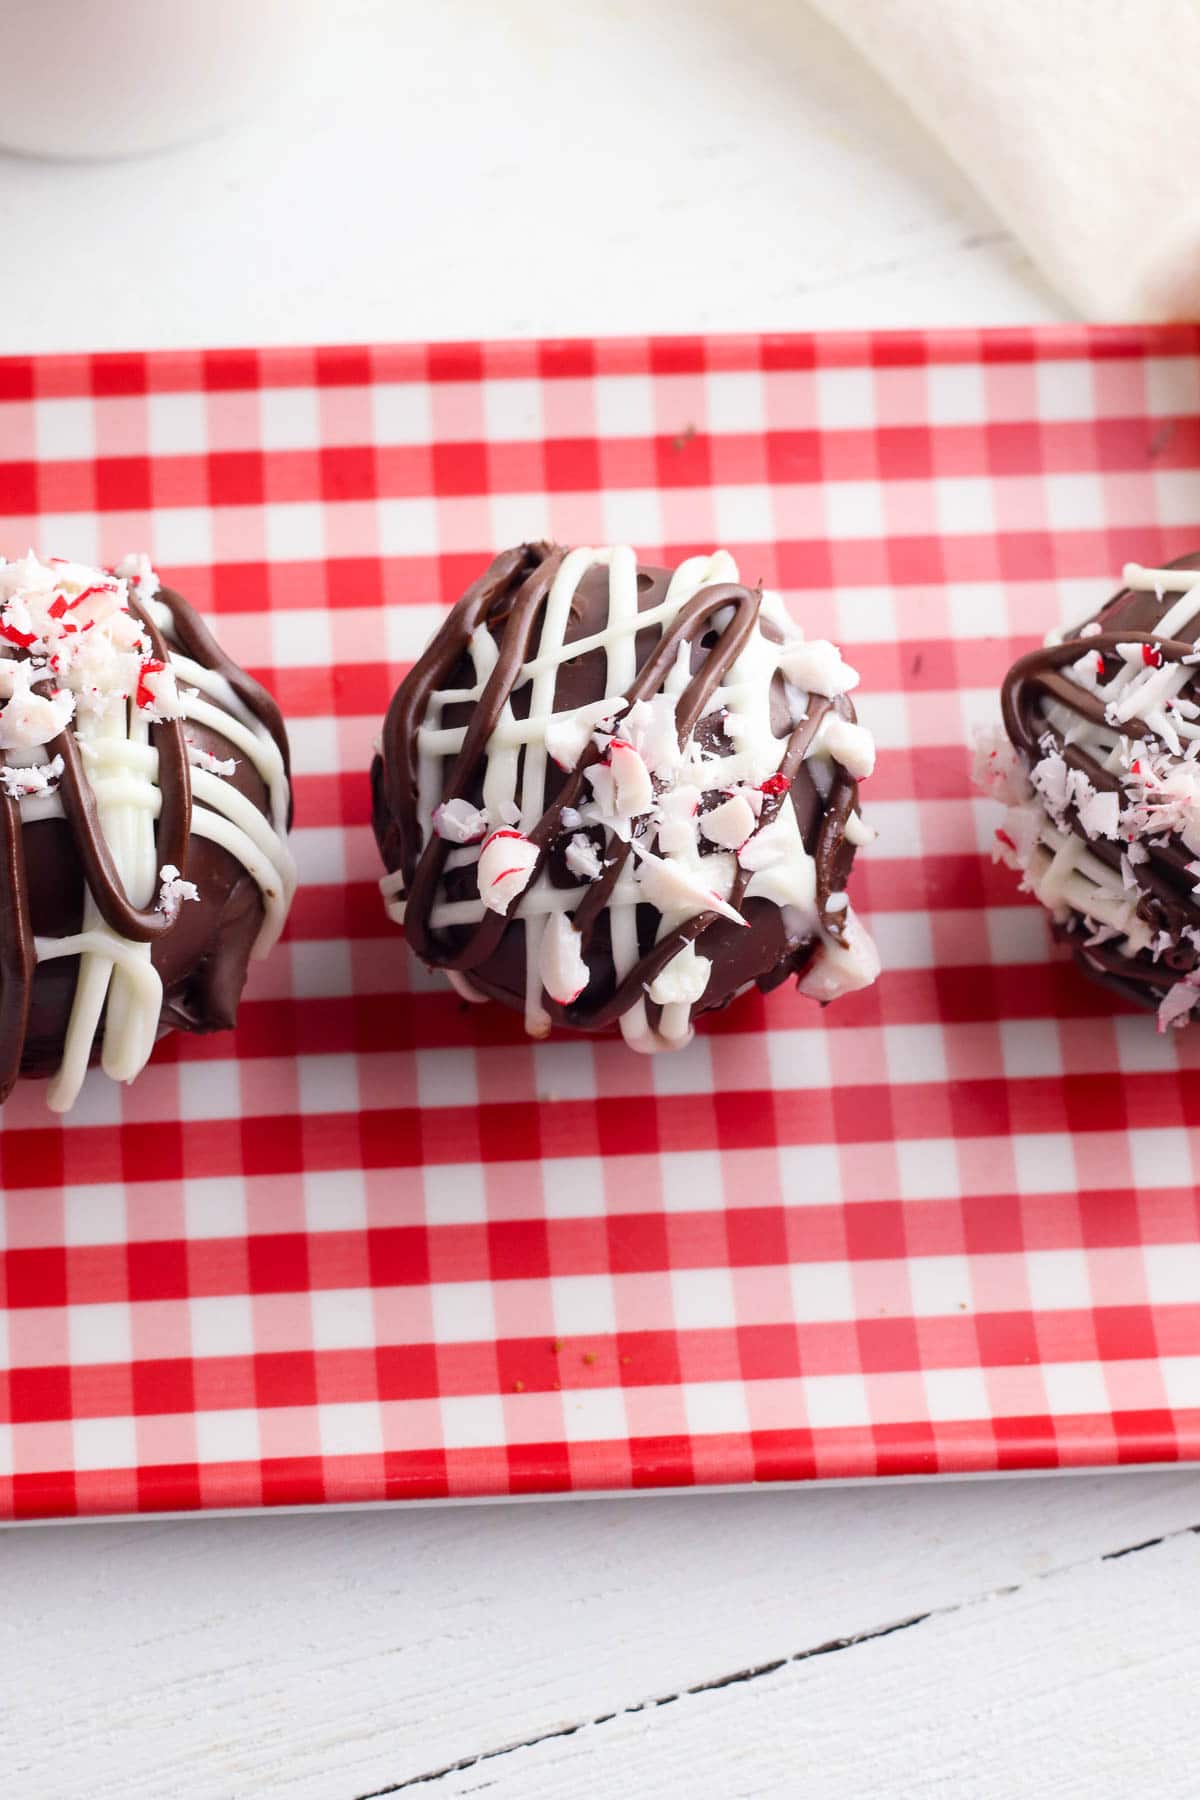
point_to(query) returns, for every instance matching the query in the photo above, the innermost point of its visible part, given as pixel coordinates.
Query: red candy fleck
(21, 638)
(614, 743)
(1152, 656)
(1099, 665)
(60, 607)
(145, 697)
(1005, 839)
(774, 784)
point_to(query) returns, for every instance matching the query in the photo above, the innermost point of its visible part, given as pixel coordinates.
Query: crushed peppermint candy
(561, 964)
(621, 786)
(567, 735)
(769, 845)
(650, 727)
(1137, 790)
(674, 888)
(459, 822)
(1149, 696)
(174, 890)
(506, 864)
(1129, 880)
(29, 719)
(1164, 795)
(686, 819)
(674, 814)
(39, 778)
(816, 667)
(74, 637)
(1062, 787)
(1178, 1002)
(213, 765)
(136, 570)
(582, 858)
(156, 694)
(728, 825)
(1099, 813)
(997, 768)
(850, 745)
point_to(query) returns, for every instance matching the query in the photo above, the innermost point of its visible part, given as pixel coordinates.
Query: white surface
(324, 1658)
(1068, 117)
(597, 168)
(459, 170)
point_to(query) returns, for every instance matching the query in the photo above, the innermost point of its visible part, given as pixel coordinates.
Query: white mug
(94, 78)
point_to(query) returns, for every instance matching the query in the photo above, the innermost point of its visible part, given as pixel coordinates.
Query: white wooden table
(603, 167)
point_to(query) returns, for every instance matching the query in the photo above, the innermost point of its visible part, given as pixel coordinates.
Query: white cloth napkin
(1076, 119)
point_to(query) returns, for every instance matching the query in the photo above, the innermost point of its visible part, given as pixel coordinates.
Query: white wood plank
(1082, 1683)
(651, 146)
(321, 1658)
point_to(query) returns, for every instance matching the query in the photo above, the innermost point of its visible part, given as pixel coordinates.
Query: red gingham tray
(377, 1244)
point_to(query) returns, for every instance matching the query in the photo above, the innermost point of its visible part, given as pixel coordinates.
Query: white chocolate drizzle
(1055, 814)
(113, 691)
(646, 791)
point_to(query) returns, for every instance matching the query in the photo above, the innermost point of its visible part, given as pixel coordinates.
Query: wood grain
(1080, 1682)
(323, 1658)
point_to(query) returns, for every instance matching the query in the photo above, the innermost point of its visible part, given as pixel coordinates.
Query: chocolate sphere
(615, 796)
(144, 806)
(1102, 780)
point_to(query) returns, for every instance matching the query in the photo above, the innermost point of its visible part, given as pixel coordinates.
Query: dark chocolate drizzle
(140, 924)
(508, 600)
(17, 956)
(1167, 902)
(201, 994)
(196, 641)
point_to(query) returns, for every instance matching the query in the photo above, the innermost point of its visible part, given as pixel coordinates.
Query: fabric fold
(1075, 120)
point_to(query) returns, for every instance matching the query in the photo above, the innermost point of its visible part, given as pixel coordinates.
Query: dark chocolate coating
(200, 953)
(1167, 902)
(509, 599)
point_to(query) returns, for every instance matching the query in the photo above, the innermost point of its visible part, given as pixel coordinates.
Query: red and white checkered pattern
(379, 1245)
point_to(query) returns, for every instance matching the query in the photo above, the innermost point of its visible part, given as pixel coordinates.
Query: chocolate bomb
(144, 806)
(616, 797)
(1102, 781)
